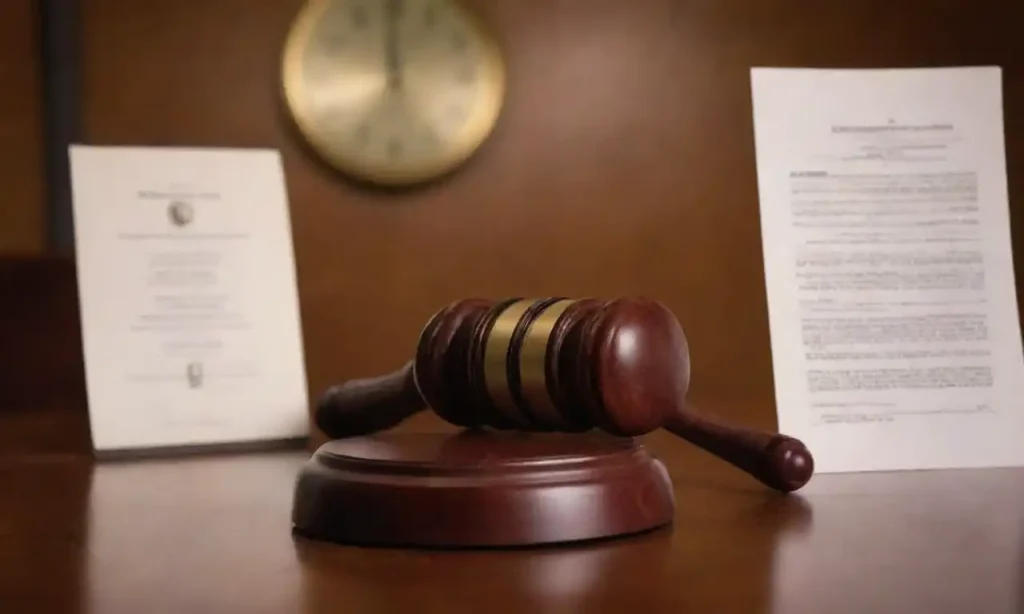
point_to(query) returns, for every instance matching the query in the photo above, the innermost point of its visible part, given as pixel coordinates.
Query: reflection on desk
(212, 535)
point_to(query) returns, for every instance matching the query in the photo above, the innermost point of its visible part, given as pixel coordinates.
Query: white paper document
(187, 288)
(885, 223)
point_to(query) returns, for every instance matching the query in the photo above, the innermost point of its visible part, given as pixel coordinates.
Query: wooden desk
(211, 535)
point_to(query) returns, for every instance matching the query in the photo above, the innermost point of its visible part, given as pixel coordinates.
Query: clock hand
(392, 61)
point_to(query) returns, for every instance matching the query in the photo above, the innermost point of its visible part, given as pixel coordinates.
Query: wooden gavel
(560, 365)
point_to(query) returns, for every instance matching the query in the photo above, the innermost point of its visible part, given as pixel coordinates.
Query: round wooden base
(480, 489)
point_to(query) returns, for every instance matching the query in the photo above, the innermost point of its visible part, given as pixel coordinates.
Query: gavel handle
(777, 461)
(366, 406)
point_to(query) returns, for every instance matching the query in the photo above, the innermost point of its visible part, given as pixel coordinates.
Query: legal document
(187, 289)
(893, 315)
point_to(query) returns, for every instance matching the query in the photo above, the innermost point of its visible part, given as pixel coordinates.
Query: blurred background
(623, 163)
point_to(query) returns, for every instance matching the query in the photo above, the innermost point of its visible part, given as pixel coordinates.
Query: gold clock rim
(457, 152)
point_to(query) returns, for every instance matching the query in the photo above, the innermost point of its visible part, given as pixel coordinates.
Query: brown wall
(21, 131)
(623, 163)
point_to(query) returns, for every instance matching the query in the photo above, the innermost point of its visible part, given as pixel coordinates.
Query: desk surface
(212, 535)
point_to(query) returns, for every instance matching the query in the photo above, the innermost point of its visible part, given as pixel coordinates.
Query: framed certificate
(189, 306)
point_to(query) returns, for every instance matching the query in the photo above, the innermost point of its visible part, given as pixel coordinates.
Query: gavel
(557, 364)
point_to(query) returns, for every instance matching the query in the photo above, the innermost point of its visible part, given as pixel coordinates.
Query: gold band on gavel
(499, 341)
(533, 355)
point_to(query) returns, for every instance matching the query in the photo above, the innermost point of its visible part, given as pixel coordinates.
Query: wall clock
(393, 92)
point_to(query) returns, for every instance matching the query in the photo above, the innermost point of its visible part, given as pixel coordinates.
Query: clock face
(393, 91)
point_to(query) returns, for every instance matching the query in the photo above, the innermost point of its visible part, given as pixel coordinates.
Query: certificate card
(894, 324)
(189, 307)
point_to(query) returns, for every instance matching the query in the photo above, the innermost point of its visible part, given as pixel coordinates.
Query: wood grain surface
(212, 535)
(623, 163)
(22, 205)
(42, 382)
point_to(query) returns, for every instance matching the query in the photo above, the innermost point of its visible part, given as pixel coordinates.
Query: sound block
(480, 488)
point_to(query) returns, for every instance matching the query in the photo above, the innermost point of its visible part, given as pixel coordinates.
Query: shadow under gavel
(621, 366)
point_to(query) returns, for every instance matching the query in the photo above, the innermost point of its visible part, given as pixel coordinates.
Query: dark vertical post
(59, 51)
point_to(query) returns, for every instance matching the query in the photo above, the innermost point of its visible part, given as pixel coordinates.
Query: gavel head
(554, 364)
